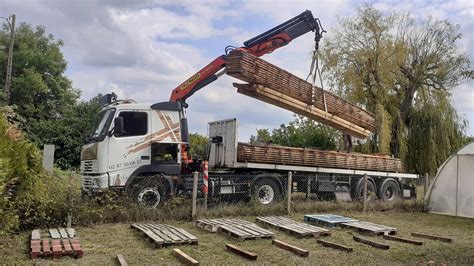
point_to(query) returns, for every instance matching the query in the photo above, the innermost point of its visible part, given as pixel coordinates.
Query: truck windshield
(101, 124)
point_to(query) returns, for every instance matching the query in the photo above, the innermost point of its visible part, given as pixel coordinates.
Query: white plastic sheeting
(452, 191)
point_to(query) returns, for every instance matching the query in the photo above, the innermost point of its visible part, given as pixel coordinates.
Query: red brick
(76, 246)
(67, 246)
(57, 248)
(46, 247)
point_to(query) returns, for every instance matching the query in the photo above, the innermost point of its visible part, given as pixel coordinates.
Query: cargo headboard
(223, 143)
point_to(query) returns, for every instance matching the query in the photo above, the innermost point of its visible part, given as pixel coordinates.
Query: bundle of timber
(252, 69)
(270, 96)
(274, 154)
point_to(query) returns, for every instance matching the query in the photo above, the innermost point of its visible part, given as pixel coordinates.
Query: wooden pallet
(165, 235)
(293, 227)
(55, 243)
(329, 220)
(275, 154)
(252, 69)
(237, 228)
(370, 228)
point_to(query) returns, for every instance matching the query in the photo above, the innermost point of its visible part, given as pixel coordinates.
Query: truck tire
(358, 192)
(265, 191)
(389, 190)
(149, 192)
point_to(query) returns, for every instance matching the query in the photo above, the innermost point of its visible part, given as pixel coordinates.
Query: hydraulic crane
(262, 44)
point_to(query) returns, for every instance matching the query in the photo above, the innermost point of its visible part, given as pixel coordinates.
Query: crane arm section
(262, 44)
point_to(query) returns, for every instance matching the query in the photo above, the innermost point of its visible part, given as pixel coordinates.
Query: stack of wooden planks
(55, 243)
(276, 86)
(275, 154)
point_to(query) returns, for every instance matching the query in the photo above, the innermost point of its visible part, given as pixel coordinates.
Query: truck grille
(89, 166)
(86, 182)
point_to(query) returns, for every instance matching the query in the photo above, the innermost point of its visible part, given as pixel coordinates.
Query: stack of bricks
(59, 242)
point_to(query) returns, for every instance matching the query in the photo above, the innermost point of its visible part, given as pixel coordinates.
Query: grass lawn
(103, 242)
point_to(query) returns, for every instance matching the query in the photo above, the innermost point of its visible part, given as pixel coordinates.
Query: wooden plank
(76, 247)
(293, 227)
(278, 99)
(121, 260)
(433, 237)
(371, 228)
(252, 69)
(294, 249)
(404, 240)
(36, 234)
(371, 243)
(46, 248)
(71, 232)
(63, 233)
(242, 252)
(67, 246)
(275, 154)
(56, 248)
(54, 233)
(334, 245)
(330, 220)
(184, 258)
(35, 248)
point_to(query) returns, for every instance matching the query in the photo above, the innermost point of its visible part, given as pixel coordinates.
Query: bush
(29, 197)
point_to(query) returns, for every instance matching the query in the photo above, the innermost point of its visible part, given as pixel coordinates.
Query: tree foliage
(403, 70)
(51, 110)
(198, 145)
(28, 197)
(301, 132)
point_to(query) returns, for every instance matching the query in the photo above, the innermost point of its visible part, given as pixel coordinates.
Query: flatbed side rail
(278, 167)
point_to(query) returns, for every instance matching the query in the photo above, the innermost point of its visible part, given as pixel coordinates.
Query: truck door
(132, 149)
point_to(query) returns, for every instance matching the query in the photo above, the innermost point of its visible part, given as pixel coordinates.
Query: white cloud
(144, 49)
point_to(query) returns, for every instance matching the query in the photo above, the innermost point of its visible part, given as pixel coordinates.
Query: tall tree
(404, 71)
(39, 87)
(43, 96)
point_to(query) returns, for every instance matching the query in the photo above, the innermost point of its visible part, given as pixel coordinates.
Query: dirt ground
(103, 242)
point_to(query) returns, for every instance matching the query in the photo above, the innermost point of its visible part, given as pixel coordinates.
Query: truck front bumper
(94, 184)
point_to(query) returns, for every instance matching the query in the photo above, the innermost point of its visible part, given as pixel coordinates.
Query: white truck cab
(131, 139)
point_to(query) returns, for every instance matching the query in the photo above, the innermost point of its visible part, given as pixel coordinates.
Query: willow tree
(404, 71)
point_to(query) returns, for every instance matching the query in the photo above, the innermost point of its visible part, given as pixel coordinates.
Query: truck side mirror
(118, 126)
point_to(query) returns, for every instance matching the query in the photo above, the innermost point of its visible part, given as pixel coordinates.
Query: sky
(144, 49)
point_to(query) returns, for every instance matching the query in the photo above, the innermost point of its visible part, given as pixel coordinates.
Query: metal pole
(308, 187)
(426, 184)
(8, 78)
(195, 185)
(290, 185)
(365, 193)
(205, 175)
(69, 215)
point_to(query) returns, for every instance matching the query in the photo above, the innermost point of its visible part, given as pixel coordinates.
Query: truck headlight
(89, 151)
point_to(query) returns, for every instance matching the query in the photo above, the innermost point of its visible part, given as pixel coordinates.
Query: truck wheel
(389, 190)
(266, 191)
(149, 192)
(358, 193)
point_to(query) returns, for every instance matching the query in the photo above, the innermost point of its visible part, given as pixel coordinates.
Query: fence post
(365, 194)
(426, 184)
(290, 186)
(195, 185)
(205, 181)
(69, 215)
(308, 187)
(48, 158)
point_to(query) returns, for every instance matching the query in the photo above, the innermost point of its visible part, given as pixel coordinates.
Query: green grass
(103, 242)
